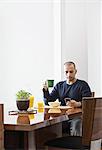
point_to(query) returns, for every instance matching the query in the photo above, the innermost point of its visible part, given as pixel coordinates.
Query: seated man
(73, 89)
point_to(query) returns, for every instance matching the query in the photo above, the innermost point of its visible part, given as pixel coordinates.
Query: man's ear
(75, 71)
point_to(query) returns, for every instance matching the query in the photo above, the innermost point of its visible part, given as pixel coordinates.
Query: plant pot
(22, 104)
(23, 119)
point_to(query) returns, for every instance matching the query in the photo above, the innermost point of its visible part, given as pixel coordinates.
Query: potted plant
(22, 99)
(23, 119)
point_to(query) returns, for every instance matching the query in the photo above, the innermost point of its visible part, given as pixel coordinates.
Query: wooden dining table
(30, 130)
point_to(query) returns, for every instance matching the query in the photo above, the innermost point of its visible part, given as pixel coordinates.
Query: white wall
(74, 44)
(26, 47)
(57, 39)
(81, 39)
(38, 36)
(93, 15)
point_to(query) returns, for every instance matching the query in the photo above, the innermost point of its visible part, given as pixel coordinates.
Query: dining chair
(91, 128)
(1, 127)
(93, 94)
(66, 125)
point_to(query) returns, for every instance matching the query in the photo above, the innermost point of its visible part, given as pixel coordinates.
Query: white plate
(65, 107)
(61, 107)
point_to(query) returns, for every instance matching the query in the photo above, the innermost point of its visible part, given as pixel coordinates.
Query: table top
(38, 119)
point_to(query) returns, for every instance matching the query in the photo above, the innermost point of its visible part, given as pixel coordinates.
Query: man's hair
(69, 63)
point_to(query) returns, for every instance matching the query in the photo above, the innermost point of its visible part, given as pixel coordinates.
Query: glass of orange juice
(40, 106)
(31, 116)
(31, 101)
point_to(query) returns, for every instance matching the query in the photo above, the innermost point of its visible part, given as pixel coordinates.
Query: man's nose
(68, 74)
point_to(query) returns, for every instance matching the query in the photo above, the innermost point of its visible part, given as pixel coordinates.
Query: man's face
(70, 72)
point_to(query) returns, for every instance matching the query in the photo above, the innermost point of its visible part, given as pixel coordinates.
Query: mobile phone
(67, 99)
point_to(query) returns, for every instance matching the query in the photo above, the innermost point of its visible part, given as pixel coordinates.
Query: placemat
(16, 112)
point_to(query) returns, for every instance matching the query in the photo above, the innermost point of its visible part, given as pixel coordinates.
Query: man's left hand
(73, 103)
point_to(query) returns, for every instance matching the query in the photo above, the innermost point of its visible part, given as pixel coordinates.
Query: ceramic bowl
(54, 104)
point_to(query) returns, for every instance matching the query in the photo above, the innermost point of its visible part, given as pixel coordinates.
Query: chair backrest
(1, 127)
(93, 94)
(92, 119)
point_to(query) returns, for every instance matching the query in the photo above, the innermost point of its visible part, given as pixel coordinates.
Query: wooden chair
(66, 125)
(1, 127)
(93, 94)
(91, 128)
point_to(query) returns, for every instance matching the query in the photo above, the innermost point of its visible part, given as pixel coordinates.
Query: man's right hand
(45, 87)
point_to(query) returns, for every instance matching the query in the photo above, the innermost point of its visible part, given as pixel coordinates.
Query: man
(73, 89)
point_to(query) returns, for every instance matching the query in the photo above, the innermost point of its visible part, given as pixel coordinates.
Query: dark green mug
(50, 83)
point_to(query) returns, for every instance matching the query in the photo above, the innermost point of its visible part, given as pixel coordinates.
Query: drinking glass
(31, 101)
(31, 116)
(40, 106)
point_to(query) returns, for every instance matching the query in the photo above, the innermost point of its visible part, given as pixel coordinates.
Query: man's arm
(50, 96)
(85, 92)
